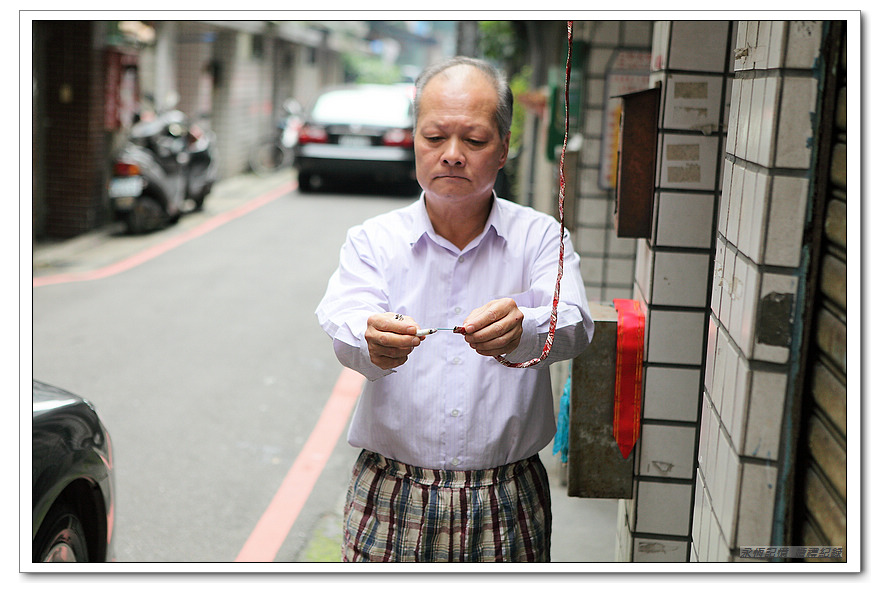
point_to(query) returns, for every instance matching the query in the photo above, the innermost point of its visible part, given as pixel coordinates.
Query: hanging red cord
(552, 330)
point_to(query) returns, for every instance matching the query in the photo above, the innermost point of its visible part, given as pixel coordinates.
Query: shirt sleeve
(574, 325)
(355, 291)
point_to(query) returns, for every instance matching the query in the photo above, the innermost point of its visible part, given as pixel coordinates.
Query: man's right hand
(391, 340)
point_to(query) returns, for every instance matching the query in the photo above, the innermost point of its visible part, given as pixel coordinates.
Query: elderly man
(449, 468)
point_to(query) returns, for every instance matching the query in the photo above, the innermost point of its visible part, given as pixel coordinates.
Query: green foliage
(497, 41)
(519, 83)
(369, 69)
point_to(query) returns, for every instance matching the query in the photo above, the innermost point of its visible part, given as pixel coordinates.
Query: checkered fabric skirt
(399, 513)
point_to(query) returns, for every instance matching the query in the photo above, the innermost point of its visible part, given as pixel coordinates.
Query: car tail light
(310, 134)
(398, 137)
(124, 169)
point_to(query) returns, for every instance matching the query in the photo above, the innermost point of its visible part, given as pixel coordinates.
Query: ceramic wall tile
(752, 245)
(684, 220)
(619, 271)
(693, 102)
(804, 44)
(680, 278)
(591, 270)
(729, 385)
(796, 132)
(636, 33)
(622, 246)
(593, 212)
(746, 213)
(785, 221)
(724, 201)
(718, 277)
(667, 451)
(743, 118)
(756, 112)
(671, 393)
(711, 342)
(735, 204)
(762, 46)
(660, 45)
(675, 337)
(757, 496)
(705, 432)
(776, 42)
(764, 425)
(644, 268)
(663, 508)
(718, 485)
(591, 240)
(739, 411)
(599, 59)
(774, 314)
(688, 162)
(741, 44)
(766, 148)
(737, 288)
(733, 116)
(606, 32)
(593, 126)
(699, 45)
(659, 550)
(726, 289)
(727, 513)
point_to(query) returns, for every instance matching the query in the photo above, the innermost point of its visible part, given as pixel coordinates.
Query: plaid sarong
(396, 512)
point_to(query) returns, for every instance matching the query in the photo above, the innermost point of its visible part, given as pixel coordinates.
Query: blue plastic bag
(560, 443)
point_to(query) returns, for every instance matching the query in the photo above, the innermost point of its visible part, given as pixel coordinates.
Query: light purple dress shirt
(447, 406)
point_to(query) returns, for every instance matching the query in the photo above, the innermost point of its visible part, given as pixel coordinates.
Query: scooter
(165, 163)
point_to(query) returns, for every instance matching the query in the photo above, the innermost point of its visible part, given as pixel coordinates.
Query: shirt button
(456, 461)
(455, 413)
(457, 310)
(456, 360)
(460, 258)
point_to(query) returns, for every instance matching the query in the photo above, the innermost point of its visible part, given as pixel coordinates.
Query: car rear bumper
(341, 161)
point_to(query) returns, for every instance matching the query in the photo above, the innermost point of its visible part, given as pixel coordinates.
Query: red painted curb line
(157, 250)
(278, 519)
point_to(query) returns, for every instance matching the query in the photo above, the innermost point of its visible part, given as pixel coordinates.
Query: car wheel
(61, 538)
(308, 182)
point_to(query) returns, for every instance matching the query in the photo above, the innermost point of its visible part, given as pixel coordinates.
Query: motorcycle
(165, 163)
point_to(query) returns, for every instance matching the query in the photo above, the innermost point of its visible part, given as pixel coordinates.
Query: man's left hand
(495, 328)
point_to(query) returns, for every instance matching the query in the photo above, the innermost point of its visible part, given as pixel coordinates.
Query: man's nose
(452, 154)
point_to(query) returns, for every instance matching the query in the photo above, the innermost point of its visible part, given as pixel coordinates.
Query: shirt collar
(422, 223)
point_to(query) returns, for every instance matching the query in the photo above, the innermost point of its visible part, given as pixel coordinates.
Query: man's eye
(476, 142)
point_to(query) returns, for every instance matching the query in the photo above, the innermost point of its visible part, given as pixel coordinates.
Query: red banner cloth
(628, 384)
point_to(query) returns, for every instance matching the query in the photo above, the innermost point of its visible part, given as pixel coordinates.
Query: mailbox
(637, 163)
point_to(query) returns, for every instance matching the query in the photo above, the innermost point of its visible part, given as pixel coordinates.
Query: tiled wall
(691, 61)
(756, 281)
(607, 261)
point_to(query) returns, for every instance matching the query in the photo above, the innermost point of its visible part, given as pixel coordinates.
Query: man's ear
(506, 148)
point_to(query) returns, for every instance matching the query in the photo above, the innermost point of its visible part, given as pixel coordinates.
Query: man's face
(457, 146)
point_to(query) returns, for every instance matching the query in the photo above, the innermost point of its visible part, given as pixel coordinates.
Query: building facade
(742, 279)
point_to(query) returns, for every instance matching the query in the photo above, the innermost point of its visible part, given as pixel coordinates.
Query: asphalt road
(208, 367)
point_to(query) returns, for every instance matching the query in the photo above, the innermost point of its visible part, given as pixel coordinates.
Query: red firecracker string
(552, 331)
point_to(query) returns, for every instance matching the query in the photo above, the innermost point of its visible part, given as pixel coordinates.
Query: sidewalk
(110, 244)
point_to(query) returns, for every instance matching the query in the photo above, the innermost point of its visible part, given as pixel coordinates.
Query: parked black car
(357, 132)
(72, 479)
